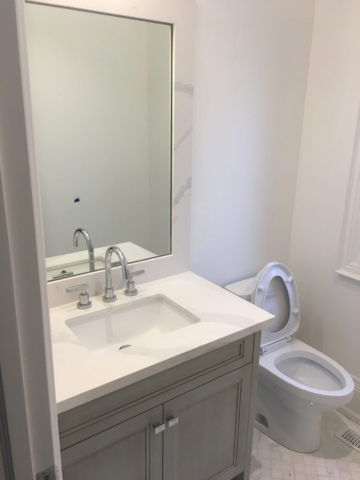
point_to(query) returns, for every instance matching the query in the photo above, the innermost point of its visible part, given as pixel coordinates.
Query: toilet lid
(276, 292)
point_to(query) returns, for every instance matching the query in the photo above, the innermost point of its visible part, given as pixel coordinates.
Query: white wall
(251, 69)
(92, 104)
(330, 304)
(25, 341)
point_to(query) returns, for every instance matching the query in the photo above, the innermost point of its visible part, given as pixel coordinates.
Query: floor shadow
(331, 447)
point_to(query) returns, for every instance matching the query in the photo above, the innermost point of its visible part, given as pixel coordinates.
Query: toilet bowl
(296, 382)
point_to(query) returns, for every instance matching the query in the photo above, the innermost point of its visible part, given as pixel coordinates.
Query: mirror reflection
(101, 100)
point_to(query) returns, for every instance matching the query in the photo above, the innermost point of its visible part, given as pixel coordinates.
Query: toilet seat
(335, 384)
(276, 292)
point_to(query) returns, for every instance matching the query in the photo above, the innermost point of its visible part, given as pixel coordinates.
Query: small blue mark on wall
(77, 200)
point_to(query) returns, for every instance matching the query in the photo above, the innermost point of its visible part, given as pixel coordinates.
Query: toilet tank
(244, 288)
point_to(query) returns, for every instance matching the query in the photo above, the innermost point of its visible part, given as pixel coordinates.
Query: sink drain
(124, 346)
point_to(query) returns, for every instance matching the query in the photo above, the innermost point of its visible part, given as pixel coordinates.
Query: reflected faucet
(89, 244)
(130, 284)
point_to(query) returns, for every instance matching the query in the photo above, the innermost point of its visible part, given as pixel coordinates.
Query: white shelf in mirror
(78, 262)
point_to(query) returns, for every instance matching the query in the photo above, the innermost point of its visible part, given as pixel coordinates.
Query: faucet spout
(89, 244)
(109, 289)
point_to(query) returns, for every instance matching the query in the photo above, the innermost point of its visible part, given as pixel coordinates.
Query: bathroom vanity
(160, 385)
(177, 403)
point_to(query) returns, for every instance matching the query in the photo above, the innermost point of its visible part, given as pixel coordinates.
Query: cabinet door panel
(128, 451)
(209, 440)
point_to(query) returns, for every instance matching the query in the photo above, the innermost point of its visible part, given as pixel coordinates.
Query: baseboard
(352, 409)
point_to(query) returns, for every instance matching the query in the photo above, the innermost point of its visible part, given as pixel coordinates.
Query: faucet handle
(75, 288)
(130, 290)
(135, 274)
(84, 301)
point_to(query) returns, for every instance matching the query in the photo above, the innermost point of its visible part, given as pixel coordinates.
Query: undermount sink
(131, 324)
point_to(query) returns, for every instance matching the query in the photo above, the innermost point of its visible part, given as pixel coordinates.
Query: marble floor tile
(333, 461)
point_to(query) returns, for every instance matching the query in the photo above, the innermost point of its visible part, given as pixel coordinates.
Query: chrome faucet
(130, 284)
(89, 244)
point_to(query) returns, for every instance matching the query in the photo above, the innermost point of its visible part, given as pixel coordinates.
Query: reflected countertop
(77, 261)
(81, 377)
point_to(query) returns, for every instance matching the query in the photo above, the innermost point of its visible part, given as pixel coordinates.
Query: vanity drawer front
(224, 359)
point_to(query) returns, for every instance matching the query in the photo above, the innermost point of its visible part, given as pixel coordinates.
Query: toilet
(296, 382)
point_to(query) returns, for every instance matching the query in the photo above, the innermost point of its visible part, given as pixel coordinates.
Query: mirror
(101, 92)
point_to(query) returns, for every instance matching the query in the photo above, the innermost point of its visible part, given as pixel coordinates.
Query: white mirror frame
(181, 15)
(350, 241)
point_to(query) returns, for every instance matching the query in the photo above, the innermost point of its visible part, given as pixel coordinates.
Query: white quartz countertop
(81, 377)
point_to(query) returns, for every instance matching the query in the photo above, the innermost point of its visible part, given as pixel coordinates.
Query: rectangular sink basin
(131, 324)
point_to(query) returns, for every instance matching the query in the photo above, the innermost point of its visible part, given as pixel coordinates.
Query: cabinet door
(128, 451)
(205, 437)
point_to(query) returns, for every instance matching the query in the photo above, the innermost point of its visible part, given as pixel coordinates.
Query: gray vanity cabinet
(128, 451)
(205, 407)
(206, 430)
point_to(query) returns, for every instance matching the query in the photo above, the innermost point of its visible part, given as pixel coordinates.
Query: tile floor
(334, 460)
